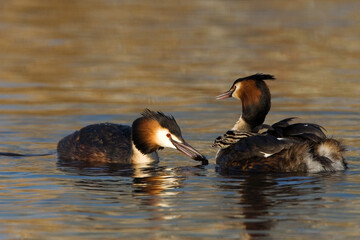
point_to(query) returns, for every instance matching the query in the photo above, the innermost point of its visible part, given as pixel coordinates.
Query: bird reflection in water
(255, 206)
(154, 187)
(260, 194)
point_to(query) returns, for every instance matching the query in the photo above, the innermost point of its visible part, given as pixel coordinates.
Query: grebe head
(250, 85)
(255, 97)
(155, 130)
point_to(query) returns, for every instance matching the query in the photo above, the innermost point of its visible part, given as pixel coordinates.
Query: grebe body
(282, 147)
(116, 143)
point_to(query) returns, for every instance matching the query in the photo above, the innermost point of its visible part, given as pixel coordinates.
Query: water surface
(66, 64)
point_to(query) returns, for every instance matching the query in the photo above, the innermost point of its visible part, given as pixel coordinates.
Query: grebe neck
(256, 103)
(241, 125)
(139, 158)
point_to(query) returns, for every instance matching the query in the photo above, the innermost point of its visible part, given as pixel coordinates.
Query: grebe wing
(261, 145)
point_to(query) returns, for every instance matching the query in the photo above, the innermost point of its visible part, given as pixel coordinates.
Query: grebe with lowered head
(282, 147)
(121, 144)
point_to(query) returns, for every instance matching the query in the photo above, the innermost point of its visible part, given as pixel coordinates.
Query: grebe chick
(116, 143)
(283, 147)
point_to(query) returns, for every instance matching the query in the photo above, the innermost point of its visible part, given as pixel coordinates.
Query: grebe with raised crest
(122, 144)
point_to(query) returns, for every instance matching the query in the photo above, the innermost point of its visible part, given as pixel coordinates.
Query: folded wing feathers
(283, 123)
(261, 145)
(305, 130)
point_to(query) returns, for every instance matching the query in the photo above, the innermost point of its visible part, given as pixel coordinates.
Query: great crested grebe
(282, 147)
(116, 143)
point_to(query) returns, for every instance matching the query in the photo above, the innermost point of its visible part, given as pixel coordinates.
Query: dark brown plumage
(103, 142)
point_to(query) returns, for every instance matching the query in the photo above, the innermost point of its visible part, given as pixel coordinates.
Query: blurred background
(68, 63)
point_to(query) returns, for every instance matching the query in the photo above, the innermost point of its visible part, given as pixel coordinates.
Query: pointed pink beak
(225, 95)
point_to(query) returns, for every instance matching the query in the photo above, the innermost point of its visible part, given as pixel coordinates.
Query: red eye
(168, 135)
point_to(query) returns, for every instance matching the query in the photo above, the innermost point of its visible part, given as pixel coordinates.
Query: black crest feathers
(257, 77)
(166, 121)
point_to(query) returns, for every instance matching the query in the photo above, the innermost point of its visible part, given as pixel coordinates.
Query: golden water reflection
(65, 64)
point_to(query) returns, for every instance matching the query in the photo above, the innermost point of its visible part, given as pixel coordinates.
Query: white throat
(139, 158)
